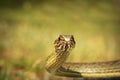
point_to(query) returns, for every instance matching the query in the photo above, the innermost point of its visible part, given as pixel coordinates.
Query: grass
(27, 33)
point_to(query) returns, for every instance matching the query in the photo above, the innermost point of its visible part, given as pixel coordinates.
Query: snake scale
(56, 64)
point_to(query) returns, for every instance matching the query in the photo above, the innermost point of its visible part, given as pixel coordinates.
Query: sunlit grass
(27, 35)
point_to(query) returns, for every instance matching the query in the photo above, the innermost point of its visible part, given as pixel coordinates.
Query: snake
(56, 63)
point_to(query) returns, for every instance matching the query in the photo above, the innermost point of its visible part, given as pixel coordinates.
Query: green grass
(27, 33)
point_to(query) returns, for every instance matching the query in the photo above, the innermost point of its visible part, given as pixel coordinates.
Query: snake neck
(54, 61)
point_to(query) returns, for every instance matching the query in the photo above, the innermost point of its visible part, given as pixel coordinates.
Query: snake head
(64, 42)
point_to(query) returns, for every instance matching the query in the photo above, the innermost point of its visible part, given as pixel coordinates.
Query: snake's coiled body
(56, 63)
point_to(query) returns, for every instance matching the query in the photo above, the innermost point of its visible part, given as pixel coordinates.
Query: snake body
(56, 64)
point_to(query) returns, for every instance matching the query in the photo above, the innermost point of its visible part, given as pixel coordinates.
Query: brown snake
(56, 64)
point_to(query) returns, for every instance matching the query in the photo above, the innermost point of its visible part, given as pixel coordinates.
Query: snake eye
(61, 38)
(72, 39)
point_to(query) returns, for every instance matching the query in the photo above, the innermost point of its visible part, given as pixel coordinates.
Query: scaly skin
(56, 63)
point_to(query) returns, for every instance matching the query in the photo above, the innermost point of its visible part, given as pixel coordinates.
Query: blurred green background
(28, 29)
